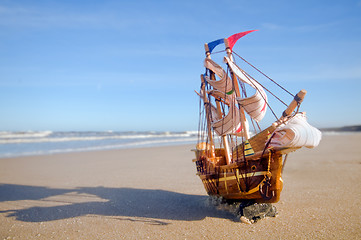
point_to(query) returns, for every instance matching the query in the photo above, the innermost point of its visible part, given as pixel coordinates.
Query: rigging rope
(266, 89)
(218, 52)
(243, 90)
(263, 74)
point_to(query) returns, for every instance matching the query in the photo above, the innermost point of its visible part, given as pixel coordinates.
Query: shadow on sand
(125, 203)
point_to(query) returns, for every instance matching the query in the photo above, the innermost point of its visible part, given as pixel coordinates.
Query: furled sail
(212, 109)
(224, 84)
(231, 123)
(255, 105)
(296, 133)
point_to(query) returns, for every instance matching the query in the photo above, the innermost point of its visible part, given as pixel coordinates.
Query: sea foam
(48, 142)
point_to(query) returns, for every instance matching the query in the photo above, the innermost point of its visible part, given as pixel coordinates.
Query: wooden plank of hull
(257, 142)
(233, 192)
(231, 184)
(276, 179)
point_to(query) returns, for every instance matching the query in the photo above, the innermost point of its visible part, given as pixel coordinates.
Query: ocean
(14, 144)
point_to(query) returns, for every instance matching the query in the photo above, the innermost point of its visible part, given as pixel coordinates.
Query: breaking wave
(48, 142)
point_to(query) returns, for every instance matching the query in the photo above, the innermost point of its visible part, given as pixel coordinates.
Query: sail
(255, 105)
(212, 109)
(224, 84)
(231, 123)
(296, 133)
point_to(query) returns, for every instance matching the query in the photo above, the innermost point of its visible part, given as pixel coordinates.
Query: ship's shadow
(48, 204)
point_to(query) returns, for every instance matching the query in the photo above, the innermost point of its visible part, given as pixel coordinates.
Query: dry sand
(153, 193)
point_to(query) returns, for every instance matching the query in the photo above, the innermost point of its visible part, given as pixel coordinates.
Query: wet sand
(153, 193)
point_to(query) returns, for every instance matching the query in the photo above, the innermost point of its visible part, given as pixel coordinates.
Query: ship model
(233, 160)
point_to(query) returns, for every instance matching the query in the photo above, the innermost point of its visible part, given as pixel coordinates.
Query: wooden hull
(241, 180)
(255, 177)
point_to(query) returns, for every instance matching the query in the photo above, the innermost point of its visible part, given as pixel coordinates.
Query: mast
(209, 127)
(236, 89)
(219, 112)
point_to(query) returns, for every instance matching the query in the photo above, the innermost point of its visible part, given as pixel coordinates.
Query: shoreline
(154, 192)
(95, 149)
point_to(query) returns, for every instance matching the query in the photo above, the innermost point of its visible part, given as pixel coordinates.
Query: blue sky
(133, 65)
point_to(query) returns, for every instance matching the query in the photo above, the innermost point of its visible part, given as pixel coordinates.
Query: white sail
(224, 84)
(255, 105)
(296, 133)
(231, 123)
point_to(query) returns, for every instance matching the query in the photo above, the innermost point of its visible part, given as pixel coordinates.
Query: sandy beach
(154, 193)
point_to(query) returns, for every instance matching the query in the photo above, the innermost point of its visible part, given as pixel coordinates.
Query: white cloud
(272, 26)
(301, 28)
(44, 17)
(323, 73)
